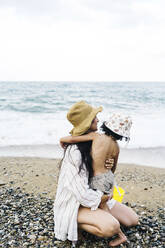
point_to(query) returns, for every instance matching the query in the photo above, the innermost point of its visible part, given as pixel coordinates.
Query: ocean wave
(34, 113)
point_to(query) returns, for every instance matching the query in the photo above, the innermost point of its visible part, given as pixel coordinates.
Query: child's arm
(76, 139)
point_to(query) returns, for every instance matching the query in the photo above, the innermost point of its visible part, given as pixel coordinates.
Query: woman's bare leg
(124, 214)
(100, 223)
(97, 222)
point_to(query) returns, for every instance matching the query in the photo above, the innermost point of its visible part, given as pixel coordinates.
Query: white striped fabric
(72, 191)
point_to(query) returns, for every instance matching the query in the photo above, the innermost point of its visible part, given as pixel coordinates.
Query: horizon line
(83, 81)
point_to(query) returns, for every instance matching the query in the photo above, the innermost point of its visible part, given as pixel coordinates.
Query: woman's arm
(115, 163)
(117, 150)
(76, 139)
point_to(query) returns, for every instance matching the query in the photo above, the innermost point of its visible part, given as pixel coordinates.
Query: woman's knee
(109, 228)
(133, 220)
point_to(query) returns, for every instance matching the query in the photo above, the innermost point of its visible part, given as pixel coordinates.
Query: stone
(32, 238)
(41, 238)
(28, 222)
(2, 183)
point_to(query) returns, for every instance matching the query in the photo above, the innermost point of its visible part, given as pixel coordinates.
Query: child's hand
(64, 141)
(63, 144)
(93, 135)
(109, 163)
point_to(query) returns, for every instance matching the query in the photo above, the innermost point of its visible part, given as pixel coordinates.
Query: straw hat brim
(85, 125)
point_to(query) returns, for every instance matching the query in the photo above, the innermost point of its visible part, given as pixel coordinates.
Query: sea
(33, 117)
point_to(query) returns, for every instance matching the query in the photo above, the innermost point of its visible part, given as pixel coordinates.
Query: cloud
(82, 40)
(113, 13)
(57, 9)
(31, 6)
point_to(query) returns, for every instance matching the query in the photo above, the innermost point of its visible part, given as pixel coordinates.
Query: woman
(76, 205)
(105, 146)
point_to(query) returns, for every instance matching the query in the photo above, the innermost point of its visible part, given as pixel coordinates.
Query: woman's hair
(109, 132)
(86, 158)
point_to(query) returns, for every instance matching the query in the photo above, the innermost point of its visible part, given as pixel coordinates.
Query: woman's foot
(119, 240)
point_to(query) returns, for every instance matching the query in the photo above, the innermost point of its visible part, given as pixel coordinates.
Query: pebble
(41, 238)
(32, 238)
(27, 221)
(2, 183)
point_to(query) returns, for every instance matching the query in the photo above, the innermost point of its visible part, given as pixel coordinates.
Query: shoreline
(152, 157)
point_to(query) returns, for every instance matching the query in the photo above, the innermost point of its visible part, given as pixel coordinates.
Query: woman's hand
(104, 199)
(109, 163)
(111, 195)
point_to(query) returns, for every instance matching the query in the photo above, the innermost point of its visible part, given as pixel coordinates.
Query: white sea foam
(25, 134)
(29, 129)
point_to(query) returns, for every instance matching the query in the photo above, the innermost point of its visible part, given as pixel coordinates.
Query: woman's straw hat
(119, 124)
(81, 116)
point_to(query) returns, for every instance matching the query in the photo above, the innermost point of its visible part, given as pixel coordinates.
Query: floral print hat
(119, 124)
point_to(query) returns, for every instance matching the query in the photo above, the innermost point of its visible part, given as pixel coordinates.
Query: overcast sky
(84, 40)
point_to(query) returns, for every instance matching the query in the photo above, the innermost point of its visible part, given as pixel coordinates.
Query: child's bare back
(103, 148)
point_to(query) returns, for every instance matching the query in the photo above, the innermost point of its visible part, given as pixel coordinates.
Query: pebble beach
(27, 192)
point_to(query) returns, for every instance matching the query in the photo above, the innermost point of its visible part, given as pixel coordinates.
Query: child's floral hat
(119, 124)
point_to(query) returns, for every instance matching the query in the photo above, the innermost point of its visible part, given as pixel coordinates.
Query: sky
(82, 40)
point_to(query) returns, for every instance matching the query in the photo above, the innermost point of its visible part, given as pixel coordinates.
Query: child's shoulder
(108, 140)
(94, 135)
(100, 138)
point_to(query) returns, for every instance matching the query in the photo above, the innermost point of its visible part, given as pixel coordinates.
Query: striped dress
(72, 191)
